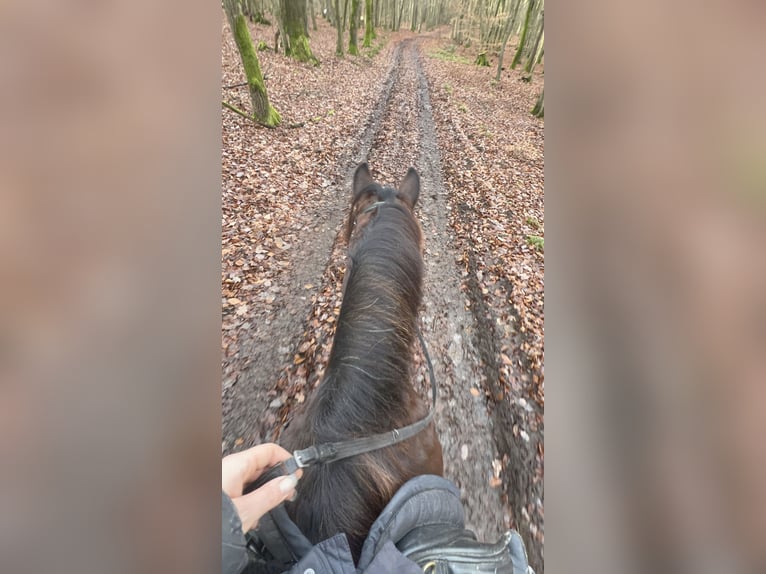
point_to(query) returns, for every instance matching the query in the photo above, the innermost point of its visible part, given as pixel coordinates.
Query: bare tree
(352, 28)
(263, 112)
(539, 110)
(528, 23)
(254, 11)
(313, 15)
(294, 21)
(534, 55)
(369, 30)
(523, 36)
(339, 29)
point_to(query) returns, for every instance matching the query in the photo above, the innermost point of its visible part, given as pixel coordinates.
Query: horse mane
(367, 388)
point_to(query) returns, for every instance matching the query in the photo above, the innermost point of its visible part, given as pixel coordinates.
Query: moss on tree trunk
(263, 112)
(523, 38)
(352, 28)
(539, 110)
(254, 13)
(532, 61)
(369, 28)
(294, 24)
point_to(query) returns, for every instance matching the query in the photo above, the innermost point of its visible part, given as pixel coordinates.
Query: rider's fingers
(243, 467)
(254, 505)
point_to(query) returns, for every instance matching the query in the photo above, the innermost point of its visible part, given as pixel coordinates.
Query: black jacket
(422, 527)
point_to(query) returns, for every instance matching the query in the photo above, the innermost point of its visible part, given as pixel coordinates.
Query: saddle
(422, 529)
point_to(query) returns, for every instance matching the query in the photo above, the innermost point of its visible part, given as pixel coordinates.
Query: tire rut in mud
(465, 429)
(511, 412)
(523, 492)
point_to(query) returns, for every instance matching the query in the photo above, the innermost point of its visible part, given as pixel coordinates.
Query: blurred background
(655, 291)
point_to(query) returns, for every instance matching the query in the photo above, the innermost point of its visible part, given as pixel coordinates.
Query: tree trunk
(313, 16)
(345, 14)
(414, 25)
(532, 34)
(507, 31)
(352, 28)
(254, 13)
(399, 19)
(293, 18)
(481, 59)
(500, 59)
(532, 61)
(523, 37)
(339, 29)
(539, 110)
(393, 15)
(482, 26)
(369, 28)
(512, 18)
(378, 11)
(263, 112)
(433, 16)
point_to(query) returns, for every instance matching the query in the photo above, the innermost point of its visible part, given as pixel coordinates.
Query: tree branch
(236, 110)
(255, 121)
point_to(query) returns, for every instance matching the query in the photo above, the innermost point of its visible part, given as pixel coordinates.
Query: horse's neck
(368, 374)
(369, 367)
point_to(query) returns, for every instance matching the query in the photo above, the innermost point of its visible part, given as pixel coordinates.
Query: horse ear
(410, 187)
(362, 179)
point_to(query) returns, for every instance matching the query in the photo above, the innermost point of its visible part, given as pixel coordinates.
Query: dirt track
(289, 347)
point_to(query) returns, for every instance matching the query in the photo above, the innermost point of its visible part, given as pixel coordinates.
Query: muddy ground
(285, 196)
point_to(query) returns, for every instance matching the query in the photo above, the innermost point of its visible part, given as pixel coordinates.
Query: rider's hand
(244, 467)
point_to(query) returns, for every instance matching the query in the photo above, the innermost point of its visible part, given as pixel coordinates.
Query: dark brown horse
(367, 388)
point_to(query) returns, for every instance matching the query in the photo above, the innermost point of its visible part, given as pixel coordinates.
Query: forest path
(288, 348)
(407, 137)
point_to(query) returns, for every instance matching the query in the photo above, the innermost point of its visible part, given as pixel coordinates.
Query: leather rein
(332, 451)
